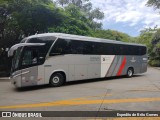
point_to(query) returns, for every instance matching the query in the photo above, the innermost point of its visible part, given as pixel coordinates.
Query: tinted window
(104, 49)
(126, 50)
(48, 42)
(88, 47)
(63, 46)
(110, 49)
(142, 50)
(97, 48)
(133, 50)
(60, 47)
(76, 47)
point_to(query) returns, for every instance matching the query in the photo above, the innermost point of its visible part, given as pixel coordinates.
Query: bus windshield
(31, 55)
(16, 59)
(27, 56)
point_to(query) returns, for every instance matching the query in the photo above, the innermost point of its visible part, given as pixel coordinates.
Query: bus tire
(130, 72)
(56, 80)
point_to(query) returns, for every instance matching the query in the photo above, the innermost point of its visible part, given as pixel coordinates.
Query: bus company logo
(94, 58)
(133, 59)
(6, 114)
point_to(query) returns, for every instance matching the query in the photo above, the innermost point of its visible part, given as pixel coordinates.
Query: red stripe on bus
(122, 66)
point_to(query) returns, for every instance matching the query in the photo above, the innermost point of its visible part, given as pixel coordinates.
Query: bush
(154, 63)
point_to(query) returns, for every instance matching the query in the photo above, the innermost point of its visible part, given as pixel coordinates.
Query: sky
(127, 16)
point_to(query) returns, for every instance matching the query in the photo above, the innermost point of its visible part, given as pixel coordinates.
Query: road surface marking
(80, 102)
(95, 96)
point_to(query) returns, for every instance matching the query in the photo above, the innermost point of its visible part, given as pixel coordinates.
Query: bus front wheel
(56, 80)
(130, 72)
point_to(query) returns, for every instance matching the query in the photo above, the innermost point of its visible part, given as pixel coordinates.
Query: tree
(82, 4)
(84, 7)
(4, 16)
(63, 2)
(96, 14)
(155, 46)
(21, 18)
(72, 26)
(154, 3)
(146, 37)
(155, 51)
(113, 35)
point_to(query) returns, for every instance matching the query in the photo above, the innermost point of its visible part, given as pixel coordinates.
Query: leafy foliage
(146, 38)
(21, 18)
(154, 3)
(83, 7)
(154, 63)
(155, 53)
(155, 42)
(113, 35)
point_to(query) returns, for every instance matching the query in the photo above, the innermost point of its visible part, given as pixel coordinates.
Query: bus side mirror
(41, 58)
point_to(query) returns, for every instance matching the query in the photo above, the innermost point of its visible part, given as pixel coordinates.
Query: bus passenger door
(29, 67)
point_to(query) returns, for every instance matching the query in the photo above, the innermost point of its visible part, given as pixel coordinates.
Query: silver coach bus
(55, 58)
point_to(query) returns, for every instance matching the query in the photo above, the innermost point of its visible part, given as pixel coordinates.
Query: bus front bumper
(16, 81)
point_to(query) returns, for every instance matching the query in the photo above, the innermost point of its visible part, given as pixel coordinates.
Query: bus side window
(59, 48)
(27, 58)
(142, 50)
(30, 57)
(75, 47)
(88, 48)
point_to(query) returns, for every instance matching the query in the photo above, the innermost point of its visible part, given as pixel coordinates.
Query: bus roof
(83, 38)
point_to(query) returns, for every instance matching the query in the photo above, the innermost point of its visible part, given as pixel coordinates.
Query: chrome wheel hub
(55, 79)
(130, 73)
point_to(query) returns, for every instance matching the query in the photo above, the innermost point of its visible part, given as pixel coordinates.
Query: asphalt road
(139, 93)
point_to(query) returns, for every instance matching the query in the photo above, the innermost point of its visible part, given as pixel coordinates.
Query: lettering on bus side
(94, 58)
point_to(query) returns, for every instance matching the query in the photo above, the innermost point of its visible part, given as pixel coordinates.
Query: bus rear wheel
(56, 80)
(130, 72)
